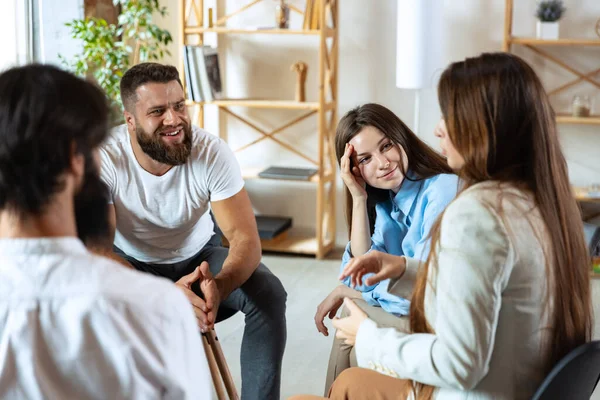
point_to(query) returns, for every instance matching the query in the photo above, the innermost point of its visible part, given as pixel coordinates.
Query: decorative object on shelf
(210, 18)
(581, 106)
(106, 51)
(282, 15)
(301, 69)
(548, 13)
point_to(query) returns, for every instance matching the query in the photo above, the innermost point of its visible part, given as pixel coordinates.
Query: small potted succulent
(548, 13)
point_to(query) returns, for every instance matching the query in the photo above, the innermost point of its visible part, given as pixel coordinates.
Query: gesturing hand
(351, 175)
(383, 265)
(204, 309)
(330, 305)
(347, 327)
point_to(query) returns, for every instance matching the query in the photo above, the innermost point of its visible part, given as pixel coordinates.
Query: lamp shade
(419, 43)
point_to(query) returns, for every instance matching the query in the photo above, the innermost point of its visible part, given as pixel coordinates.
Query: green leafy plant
(109, 49)
(550, 10)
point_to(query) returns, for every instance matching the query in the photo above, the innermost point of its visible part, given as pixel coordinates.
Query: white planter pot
(547, 30)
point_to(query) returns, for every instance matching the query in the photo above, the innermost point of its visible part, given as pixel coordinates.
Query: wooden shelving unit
(324, 108)
(537, 46)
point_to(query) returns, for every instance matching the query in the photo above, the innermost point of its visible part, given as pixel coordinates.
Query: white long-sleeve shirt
(485, 302)
(77, 326)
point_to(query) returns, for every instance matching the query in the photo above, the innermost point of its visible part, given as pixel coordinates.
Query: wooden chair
(219, 370)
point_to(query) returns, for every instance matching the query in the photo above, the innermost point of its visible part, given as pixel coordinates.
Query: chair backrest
(574, 377)
(592, 238)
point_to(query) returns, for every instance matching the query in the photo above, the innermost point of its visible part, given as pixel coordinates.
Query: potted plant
(110, 49)
(548, 13)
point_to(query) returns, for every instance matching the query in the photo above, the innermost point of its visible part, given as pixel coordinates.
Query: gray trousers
(343, 356)
(262, 301)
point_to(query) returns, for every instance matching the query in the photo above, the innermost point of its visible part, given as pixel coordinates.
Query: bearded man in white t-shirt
(165, 176)
(74, 325)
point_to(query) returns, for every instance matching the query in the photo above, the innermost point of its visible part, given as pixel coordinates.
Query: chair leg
(214, 369)
(213, 341)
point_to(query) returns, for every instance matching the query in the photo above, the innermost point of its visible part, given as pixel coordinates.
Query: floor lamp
(419, 46)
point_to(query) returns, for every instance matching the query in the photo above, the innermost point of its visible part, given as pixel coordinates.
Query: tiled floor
(307, 282)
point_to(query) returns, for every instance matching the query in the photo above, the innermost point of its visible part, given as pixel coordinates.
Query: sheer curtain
(15, 25)
(50, 36)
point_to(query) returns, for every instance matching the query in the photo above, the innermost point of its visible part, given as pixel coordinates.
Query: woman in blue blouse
(396, 186)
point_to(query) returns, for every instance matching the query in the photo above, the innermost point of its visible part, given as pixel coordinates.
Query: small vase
(581, 107)
(547, 30)
(282, 15)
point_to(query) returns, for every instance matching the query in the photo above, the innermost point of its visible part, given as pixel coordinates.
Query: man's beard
(156, 148)
(91, 210)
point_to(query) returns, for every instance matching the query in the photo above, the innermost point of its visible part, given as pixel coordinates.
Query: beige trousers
(364, 384)
(343, 356)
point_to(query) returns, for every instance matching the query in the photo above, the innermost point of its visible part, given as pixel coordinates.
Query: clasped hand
(205, 309)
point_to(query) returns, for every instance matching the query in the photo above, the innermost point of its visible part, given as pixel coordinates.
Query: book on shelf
(202, 73)
(288, 173)
(192, 87)
(269, 226)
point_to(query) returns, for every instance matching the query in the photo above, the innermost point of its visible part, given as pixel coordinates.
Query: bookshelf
(194, 25)
(537, 46)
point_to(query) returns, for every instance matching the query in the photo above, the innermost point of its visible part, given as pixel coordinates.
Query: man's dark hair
(141, 74)
(91, 210)
(46, 114)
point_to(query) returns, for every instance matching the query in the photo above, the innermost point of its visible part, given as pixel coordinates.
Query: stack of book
(202, 73)
(301, 174)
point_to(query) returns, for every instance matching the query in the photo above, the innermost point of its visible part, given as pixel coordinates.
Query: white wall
(259, 66)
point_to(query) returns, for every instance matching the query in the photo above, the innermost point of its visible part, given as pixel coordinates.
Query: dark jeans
(262, 300)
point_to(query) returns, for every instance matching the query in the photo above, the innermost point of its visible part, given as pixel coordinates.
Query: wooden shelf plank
(291, 244)
(569, 119)
(297, 245)
(241, 31)
(583, 194)
(279, 104)
(252, 173)
(555, 42)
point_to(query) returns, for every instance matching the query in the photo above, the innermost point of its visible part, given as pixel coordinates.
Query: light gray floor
(307, 282)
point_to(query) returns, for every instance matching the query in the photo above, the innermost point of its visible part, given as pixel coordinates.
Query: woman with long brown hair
(396, 187)
(505, 292)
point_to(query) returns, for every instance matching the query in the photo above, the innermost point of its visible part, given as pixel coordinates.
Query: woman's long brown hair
(423, 161)
(500, 121)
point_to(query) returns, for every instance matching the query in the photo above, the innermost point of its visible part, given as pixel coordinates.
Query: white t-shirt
(77, 326)
(165, 219)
